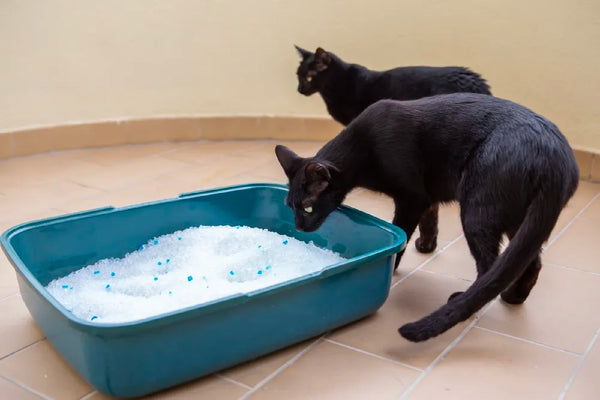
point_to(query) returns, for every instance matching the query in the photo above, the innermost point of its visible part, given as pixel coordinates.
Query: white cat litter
(186, 268)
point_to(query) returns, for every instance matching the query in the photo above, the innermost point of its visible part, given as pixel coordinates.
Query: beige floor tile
(586, 384)
(242, 179)
(377, 204)
(111, 156)
(271, 171)
(584, 194)
(17, 173)
(416, 297)
(382, 206)
(204, 176)
(577, 247)
(9, 390)
(449, 224)
(41, 368)
(140, 169)
(300, 147)
(151, 190)
(561, 300)
(8, 280)
(593, 211)
(25, 217)
(251, 373)
(330, 371)
(210, 387)
(17, 327)
(204, 152)
(43, 196)
(196, 153)
(455, 260)
(488, 366)
(413, 258)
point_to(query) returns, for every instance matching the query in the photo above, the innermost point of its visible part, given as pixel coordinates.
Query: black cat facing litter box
(511, 170)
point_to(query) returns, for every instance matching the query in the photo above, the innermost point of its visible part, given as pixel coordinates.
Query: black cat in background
(348, 89)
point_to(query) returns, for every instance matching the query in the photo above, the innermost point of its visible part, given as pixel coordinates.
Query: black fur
(511, 170)
(348, 89)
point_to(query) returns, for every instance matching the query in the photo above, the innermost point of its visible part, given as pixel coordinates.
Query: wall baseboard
(155, 130)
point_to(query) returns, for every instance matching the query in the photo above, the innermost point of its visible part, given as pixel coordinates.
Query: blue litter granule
(159, 263)
(285, 242)
(259, 246)
(155, 278)
(168, 259)
(96, 272)
(94, 317)
(237, 227)
(170, 292)
(156, 242)
(260, 271)
(142, 247)
(65, 286)
(190, 278)
(231, 273)
(268, 267)
(107, 286)
(112, 274)
(178, 238)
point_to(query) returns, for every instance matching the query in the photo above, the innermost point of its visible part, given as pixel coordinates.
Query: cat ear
(288, 159)
(322, 59)
(318, 176)
(303, 53)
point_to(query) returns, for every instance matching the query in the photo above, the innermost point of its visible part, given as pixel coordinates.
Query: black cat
(511, 170)
(348, 89)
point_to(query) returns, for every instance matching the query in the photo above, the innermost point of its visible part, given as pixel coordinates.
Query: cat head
(314, 191)
(313, 70)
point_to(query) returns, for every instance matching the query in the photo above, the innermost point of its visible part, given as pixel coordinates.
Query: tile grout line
(445, 352)
(430, 259)
(90, 394)
(550, 264)
(562, 231)
(25, 387)
(528, 341)
(282, 368)
(233, 381)
(9, 296)
(577, 369)
(373, 355)
(22, 349)
(448, 275)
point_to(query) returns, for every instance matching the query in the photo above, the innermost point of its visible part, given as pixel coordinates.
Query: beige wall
(67, 61)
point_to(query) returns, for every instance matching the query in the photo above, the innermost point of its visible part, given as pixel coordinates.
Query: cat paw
(453, 296)
(413, 332)
(425, 246)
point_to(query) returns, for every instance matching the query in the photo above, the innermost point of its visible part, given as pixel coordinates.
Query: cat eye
(308, 210)
(308, 78)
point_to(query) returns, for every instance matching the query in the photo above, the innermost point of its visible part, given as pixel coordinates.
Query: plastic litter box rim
(398, 244)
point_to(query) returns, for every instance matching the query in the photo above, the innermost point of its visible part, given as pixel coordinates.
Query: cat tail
(535, 229)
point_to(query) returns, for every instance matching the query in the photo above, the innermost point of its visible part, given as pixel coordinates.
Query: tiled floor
(546, 349)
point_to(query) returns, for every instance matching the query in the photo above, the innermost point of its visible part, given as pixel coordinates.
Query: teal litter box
(145, 356)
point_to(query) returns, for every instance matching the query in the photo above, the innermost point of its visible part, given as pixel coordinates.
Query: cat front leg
(428, 229)
(406, 216)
